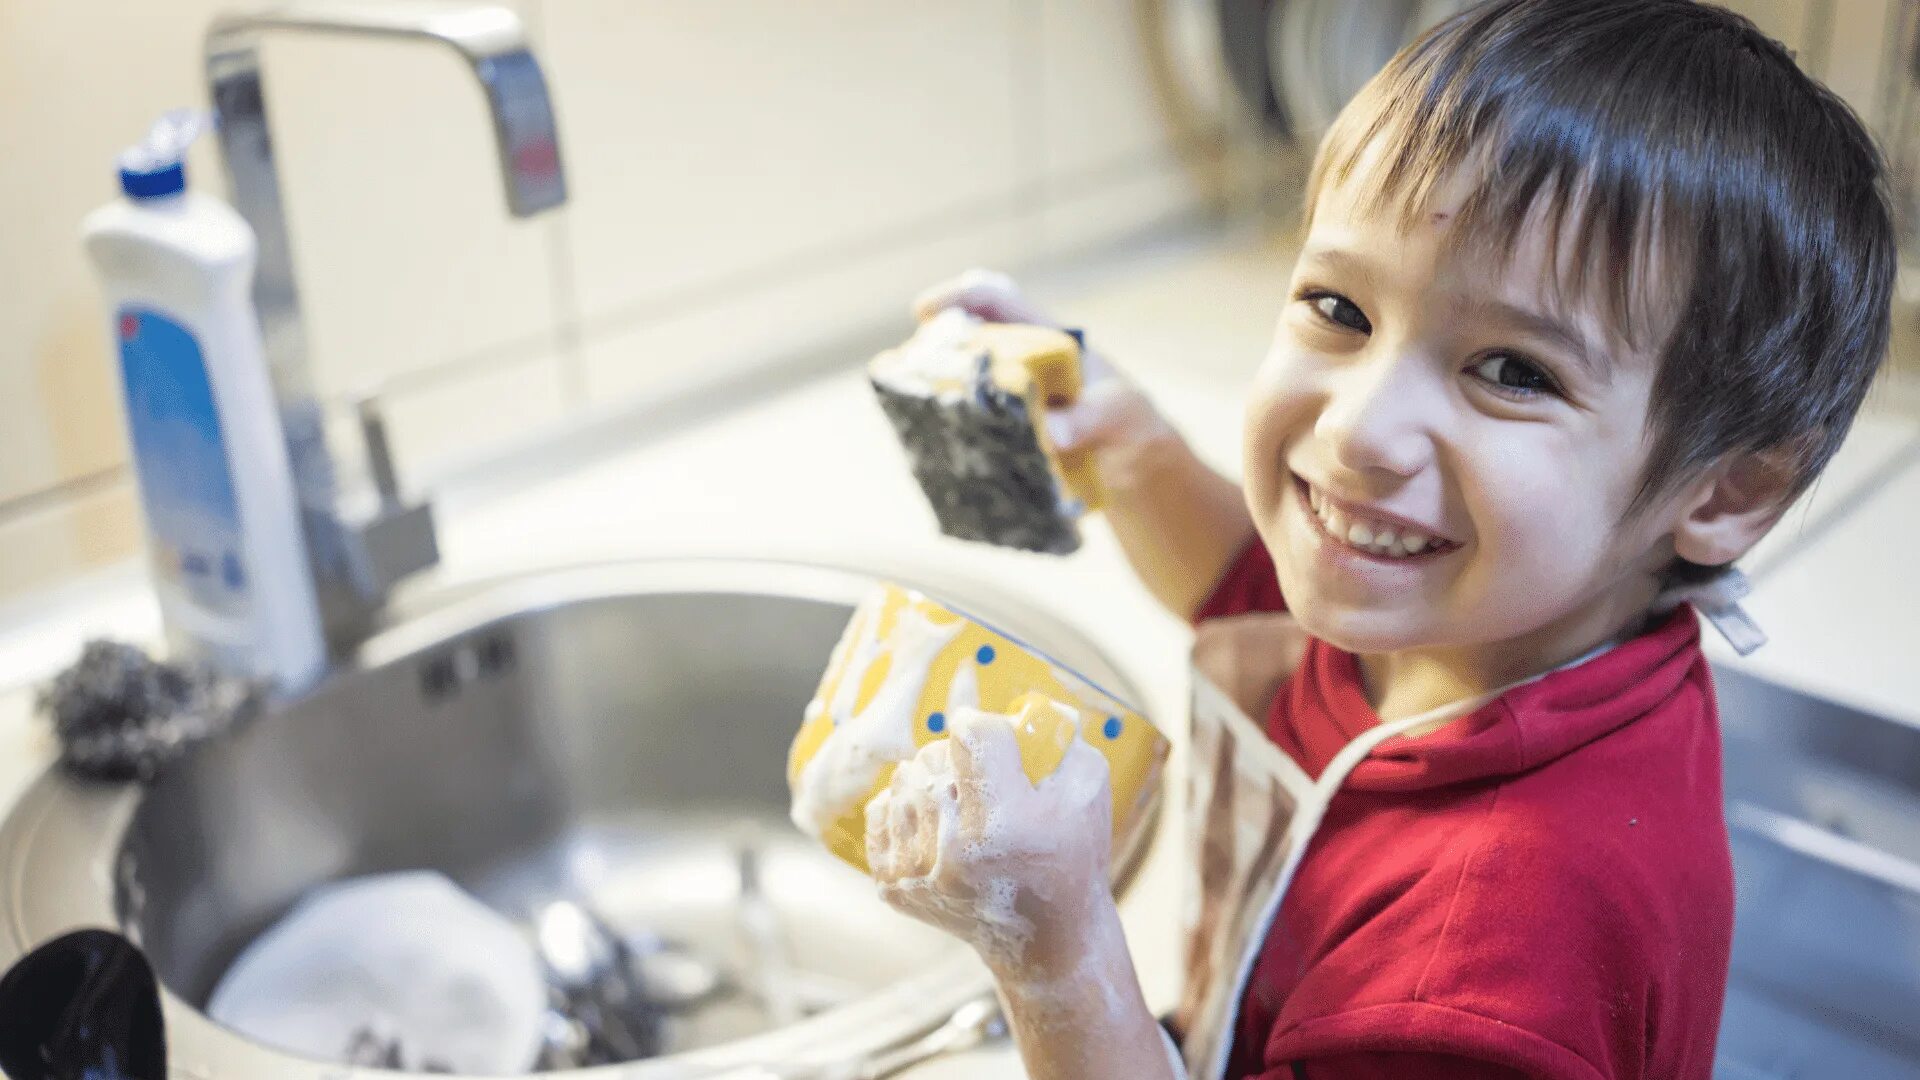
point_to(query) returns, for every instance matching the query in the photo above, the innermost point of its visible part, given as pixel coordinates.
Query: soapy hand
(1112, 418)
(962, 840)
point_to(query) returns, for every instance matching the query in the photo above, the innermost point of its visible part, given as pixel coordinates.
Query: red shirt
(1540, 889)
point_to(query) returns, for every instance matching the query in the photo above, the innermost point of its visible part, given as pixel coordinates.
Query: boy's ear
(1731, 507)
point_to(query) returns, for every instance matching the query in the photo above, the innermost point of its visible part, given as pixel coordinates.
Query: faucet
(356, 555)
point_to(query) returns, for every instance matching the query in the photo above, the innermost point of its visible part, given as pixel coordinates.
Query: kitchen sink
(613, 734)
(617, 734)
(1824, 807)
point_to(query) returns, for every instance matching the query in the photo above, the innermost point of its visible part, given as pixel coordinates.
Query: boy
(1591, 290)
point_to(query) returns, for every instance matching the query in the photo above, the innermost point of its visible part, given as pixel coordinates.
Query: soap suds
(863, 743)
(937, 359)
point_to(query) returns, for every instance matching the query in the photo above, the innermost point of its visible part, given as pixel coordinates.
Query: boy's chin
(1363, 632)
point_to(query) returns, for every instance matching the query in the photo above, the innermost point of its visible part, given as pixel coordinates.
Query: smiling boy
(1590, 292)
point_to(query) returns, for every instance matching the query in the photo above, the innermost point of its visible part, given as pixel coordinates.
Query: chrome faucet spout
(357, 556)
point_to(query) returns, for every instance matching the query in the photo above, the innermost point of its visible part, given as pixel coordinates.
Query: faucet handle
(396, 538)
(373, 428)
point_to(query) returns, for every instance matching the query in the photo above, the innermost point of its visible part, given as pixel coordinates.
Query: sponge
(120, 714)
(966, 398)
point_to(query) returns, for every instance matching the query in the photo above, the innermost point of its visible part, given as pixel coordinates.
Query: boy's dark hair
(1667, 139)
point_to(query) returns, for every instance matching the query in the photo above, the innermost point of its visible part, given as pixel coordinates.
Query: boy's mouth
(1379, 539)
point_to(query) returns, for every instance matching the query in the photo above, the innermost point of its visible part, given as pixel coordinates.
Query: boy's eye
(1339, 310)
(1512, 376)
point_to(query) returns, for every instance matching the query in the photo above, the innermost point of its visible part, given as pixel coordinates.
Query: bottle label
(186, 483)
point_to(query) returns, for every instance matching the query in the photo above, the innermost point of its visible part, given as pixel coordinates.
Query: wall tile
(1145, 318)
(1782, 20)
(78, 81)
(405, 252)
(92, 530)
(734, 135)
(1858, 54)
(454, 421)
(1109, 169)
(1844, 42)
(405, 249)
(1124, 204)
(751, 181)
(785, 319)
(1099, 108)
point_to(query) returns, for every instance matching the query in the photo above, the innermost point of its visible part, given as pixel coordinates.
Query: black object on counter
(84, 1006)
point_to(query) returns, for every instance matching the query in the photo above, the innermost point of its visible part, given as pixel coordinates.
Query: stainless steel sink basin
(614, 733)
(1824, 806)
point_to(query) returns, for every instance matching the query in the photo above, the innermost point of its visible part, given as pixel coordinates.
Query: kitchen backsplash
(750, 178)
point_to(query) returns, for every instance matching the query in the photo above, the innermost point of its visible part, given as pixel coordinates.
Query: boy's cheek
(1280, 408)
(1539, 551)
(1284, 368)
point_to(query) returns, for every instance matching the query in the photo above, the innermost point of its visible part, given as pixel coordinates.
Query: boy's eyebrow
(1342, 261)
(1545, 326)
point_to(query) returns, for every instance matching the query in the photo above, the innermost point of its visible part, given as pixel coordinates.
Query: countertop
(811, 474)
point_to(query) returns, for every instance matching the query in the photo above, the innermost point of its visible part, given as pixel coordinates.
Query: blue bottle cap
(153, 183)
(156, 167)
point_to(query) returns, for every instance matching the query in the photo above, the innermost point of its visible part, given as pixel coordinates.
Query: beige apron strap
(1306, 821)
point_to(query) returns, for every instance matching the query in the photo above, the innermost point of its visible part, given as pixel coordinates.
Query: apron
(1252, 810)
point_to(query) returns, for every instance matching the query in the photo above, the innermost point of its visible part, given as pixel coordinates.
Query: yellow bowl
(903, 665)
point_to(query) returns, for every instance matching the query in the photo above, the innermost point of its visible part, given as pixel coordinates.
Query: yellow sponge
(967, 399)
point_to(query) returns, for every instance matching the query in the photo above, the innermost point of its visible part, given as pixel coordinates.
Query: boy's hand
(1179, 522)
(963, 841)
(1112, 418)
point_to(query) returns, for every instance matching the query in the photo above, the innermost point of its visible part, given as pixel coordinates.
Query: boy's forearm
(1091, 1022)
(1179, 522)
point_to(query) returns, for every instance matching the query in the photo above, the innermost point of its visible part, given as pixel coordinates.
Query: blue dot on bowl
(937, 722)
(1112, 728)
(985, 655)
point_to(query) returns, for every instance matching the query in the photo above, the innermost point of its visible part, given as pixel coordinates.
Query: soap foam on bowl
(903, 670)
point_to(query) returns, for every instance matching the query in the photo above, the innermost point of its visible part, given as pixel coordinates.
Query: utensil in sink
(595, 985)
(973, 1024)
(613, 992)
(85, 1004)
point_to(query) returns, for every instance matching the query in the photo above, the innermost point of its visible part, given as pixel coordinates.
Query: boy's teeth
(1389, 541)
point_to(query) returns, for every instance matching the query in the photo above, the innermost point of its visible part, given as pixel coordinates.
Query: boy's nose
(1378, 417)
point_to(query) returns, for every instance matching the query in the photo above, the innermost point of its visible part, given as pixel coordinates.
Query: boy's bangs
(1420, 125)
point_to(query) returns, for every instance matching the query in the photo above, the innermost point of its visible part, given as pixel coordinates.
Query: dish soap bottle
(223, 522)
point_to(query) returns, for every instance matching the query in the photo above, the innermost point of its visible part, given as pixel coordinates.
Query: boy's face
(1414, 387)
